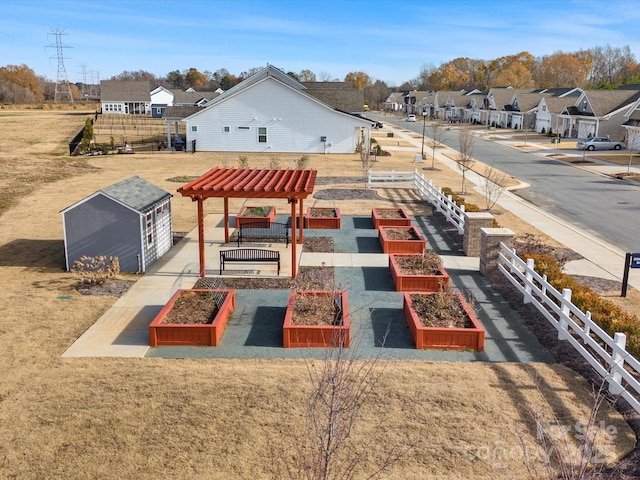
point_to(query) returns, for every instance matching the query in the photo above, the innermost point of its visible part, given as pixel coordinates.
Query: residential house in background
(125, 98)
(162, 97)
(130, 220)
(548, 111)
(632, 126)
(597, 113)
(394, 102)
(272, 112)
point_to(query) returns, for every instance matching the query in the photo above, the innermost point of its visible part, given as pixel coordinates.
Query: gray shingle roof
(136, 193)
(604, 102)
(125, 91)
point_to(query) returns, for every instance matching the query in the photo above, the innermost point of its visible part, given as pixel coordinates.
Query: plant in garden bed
(401, 239)
(442, 309)
(193, 317)
(317, 317)
(257, 211)
(443, 320)
(390, 217)
(322, 217)
(418, 272)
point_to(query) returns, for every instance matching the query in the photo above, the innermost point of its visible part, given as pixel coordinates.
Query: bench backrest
(274, 226)
(249, 254)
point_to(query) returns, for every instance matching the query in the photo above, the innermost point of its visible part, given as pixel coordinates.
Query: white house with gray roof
(130, 220)
(271, 112)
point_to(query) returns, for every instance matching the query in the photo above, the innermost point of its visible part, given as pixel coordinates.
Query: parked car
(598, 143)
(410, 118)
(377, 125)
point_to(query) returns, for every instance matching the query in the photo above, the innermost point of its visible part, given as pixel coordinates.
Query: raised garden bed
(322, 217)
(249, 214)
(317, 318)
(401, 240)
(390, 217)
(193, 317)
(410, 274)
(451, 326)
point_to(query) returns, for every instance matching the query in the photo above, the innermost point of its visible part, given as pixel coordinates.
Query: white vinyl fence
(606, 355)
(424, 189)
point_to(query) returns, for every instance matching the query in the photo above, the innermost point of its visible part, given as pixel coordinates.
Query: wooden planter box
(444, 338)
(401, 246)
(195, 334)
(417, 282)
(396, 217)
(325, 222)
(241, 218)
(316, 335)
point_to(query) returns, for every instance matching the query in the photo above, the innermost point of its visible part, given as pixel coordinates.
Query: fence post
(615, 378)
(564, 315)
(529, 281)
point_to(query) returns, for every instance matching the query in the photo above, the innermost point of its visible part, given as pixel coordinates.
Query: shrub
(96, 270)
(543, 131)
(302, 162)
(243, 161)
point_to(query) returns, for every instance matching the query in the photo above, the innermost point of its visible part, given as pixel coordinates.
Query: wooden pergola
(294, 185)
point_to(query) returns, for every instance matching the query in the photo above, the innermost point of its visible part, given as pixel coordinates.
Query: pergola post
(301, 240)
(201, 237)
(294, 241)
(226, 220)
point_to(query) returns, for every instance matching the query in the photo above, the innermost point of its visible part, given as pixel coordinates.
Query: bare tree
(633, 144)
(436, 133)
(365, 155)
(492, 185)
(322, 449)
(465, 160)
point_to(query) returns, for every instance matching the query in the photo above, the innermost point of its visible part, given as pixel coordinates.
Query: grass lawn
(114, 418)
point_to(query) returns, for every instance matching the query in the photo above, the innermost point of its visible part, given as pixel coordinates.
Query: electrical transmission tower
(63, 88)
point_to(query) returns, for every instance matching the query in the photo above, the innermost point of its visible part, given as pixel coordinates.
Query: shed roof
(136, 193)
(251, 183)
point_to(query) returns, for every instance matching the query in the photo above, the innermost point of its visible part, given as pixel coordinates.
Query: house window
(149, 229)
(194, 128)
(225, 129)
(262, 134)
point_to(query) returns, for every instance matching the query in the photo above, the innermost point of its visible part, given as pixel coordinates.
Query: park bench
(249, 255)
(253, 231)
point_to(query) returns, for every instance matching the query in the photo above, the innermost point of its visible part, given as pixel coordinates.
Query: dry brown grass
(152, 418)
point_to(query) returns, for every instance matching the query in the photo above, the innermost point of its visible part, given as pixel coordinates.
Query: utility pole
(63, 88)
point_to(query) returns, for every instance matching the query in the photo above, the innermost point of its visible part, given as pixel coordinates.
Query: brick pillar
(473, 222)
(490, 247)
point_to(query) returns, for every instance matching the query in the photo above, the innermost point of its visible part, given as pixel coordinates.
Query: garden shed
(130, 220)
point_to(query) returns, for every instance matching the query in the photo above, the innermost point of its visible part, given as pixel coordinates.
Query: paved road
(606, 208)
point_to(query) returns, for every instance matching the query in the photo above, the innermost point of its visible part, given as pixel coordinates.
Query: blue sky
(389, 40)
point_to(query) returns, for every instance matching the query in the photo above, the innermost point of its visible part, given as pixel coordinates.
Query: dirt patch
(111, 288)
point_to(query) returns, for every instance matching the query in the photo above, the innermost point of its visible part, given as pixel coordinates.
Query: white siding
(162, 97)
(295, 123)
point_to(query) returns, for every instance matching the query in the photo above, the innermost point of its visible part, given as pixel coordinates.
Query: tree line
(596, 68)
